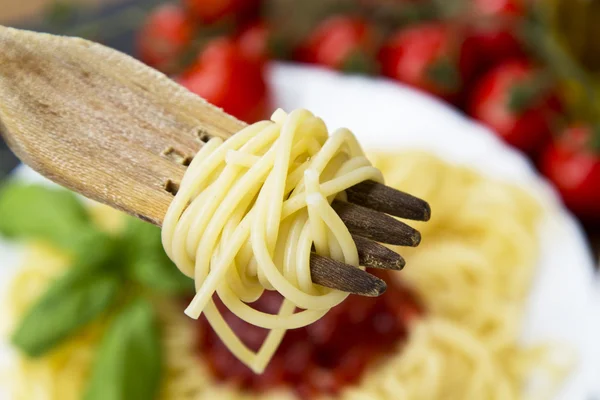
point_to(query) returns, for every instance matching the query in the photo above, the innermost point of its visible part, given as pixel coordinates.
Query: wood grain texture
(370, 224)
(330, 273)
(388, 200)
(102, 100)
(374, 255)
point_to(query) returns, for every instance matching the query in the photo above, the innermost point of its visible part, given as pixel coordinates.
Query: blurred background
(528, 69)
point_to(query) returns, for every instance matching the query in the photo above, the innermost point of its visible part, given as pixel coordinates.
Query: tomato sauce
(322, 358)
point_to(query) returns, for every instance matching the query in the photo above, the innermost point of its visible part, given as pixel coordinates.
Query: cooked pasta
(473, 272)
(62, 373)
(247, 215)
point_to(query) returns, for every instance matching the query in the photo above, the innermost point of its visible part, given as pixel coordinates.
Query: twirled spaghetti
(247, 214)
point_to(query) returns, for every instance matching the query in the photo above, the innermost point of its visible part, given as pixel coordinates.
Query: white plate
(385, 115)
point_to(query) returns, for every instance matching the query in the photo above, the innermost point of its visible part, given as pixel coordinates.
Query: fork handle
(100, 122)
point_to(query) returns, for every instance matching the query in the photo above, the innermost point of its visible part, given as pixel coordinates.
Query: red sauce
(322, 358)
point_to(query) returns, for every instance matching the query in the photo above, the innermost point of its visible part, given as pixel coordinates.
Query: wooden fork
(105, 125)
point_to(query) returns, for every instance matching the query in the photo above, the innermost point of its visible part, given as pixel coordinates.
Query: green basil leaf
(83, 293)
(39, 212)
(147, 263)
(129, 360)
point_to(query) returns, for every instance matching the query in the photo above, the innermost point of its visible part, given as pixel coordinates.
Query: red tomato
(493, 36)
(341, 42)
(574, 168)
(163, 37)
(492, 45)
(228, 79)
(209, 11)
(427, 56)
(253, 41)
(498, 101)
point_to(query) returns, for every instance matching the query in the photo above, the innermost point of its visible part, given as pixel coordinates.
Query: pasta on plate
(472, 273)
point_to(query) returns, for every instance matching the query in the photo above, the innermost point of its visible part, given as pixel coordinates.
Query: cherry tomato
(510, 100)
(253, 41)
(572, 164)
(492, 37)
(227, 78)
(209, 11)
(163, 37)
(427, 56)
(341, 42)
(491, 44)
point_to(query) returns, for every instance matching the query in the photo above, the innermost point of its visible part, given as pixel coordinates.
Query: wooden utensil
(105, 125)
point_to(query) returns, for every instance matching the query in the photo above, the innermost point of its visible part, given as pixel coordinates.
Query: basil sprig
(37, 212)
(129, 359)
(109, 274)
(148, 264)
(86, 291)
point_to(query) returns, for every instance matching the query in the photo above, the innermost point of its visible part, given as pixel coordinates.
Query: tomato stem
(445, 74)
(524, 95)
(595, 140)
(359, 62)
(535, 34)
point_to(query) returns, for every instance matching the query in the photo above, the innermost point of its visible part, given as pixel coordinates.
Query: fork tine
(374, 255)
(388, 200)
(337, 275)
(364, 223)
(375, 225)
